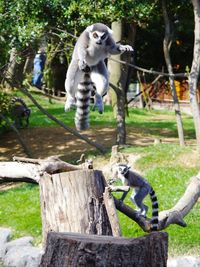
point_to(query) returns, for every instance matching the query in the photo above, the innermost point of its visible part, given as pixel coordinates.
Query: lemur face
(123, 169)
(119, 170)
(98, 37)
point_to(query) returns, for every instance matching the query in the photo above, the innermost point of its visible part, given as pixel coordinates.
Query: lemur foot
(98, 104)
(69, 105)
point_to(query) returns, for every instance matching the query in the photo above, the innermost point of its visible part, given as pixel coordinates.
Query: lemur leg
(73, 78)
(99, 77)
(137, 198)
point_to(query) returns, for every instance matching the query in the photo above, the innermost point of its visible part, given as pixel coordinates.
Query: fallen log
(30, 170)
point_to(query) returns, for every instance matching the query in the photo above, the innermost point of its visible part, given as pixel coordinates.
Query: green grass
(152, 123)
(20, 211)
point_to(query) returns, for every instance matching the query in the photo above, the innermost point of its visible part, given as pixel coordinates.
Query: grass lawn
(168, 167)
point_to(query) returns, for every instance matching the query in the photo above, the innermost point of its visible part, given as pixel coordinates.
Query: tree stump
(73, 250)
(73, 202)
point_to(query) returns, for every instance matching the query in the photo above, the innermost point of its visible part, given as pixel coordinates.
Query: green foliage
(4, 108)
(4, 101)
(24, 22)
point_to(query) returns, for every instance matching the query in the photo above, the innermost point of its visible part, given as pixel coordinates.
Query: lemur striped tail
(83, 102)
(16, 99)
(154, 219)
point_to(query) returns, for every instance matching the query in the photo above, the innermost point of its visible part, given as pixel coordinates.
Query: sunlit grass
(20, 211)
(148, 122)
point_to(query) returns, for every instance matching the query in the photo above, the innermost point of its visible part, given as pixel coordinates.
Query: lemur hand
(111, 181)
(123, 48)
(83, 66)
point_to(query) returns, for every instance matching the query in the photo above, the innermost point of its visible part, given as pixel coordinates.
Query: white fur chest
(95, 54)
(123, 179)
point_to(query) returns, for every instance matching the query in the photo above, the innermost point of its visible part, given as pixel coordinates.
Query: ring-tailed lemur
(93, 46)
(141, 189)
(83, 101)
(19, 111)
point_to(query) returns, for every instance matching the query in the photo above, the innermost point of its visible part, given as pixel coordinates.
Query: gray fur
(93, 46)
(141, 189)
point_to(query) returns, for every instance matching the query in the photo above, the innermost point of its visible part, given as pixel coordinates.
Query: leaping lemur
(93, 46)
(141, 189)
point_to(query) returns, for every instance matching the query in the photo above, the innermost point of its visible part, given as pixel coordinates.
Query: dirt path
(44, 142)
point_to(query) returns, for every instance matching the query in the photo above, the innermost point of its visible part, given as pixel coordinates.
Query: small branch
(26, 160)
(150, 71)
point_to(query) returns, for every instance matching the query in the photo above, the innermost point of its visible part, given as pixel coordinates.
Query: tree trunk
(73, 250)
(14, 73)
(72, 202)
(166, 48)
(194, 73)
(10, 72)
(119, 77)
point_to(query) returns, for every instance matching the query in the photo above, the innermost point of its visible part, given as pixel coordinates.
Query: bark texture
(120, 76)
(69, 249)
(194, 73)
(72, 202)
(166, 49)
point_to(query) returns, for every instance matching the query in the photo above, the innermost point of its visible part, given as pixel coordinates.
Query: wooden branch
(133, 214)
(30, 170)
(112, 213)
(19, 172)
(26, 160)
(176, 214)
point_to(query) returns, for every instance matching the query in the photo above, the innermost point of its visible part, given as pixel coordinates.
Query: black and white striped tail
(83, 103)
(154, 219)
(16, 99)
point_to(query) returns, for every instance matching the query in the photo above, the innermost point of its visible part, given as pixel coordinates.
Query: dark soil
(44, 142)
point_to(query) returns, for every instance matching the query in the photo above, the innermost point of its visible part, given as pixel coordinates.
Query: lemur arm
(123, 196)
(117, 48)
